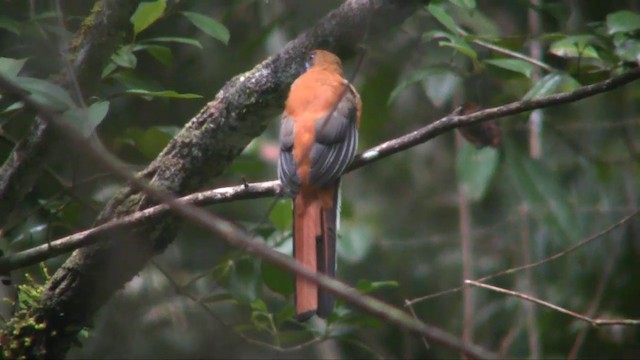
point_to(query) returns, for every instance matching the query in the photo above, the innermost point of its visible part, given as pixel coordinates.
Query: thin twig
(84, 238)
(595, 303)
(511, 53)
(594, 322)
(537, 263)
(413, 312)
(600, 288)
(454, 121)
(180, 290)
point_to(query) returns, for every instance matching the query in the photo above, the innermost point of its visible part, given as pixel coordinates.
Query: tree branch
(228, 231)
(451, 122)
(91, 236)
(201, 151)
(594, 322)
(270, 188)
(553, 257)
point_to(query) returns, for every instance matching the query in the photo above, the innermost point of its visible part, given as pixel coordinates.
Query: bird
(318, 140)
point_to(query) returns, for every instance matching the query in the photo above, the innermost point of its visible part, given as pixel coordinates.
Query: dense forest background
(414, 224)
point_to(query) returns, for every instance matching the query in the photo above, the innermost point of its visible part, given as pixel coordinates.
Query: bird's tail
(314, 246)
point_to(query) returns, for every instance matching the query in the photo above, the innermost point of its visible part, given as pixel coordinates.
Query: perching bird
(318, 140)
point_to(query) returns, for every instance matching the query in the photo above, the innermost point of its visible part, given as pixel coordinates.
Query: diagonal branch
(594, 322)
(238, 237)
(271, 188)
(551, 258)
(202, 150)
(451, 122)
(91, 236)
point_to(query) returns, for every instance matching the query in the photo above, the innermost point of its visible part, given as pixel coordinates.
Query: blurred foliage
(400, 236)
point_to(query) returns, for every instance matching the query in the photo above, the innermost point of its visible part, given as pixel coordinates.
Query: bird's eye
(310, 59)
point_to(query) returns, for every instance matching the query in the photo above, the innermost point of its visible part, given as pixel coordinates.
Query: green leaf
(568, 83)
(277, 279)
(146, 14)
(293, 337)
(133, 80)
(465, 4)
(108, 70)
(210, 26)
(152, 142)
(9, 25)
(515, 65)
(265, 231)
(245, 281)
(161, 53)
(46, 93)
(281, 215)
(261, 320)
(71, 213)
(437, 34)
(545, 197)
(86, 120)
(11, 67)
(13, 107)
(149, 142)
(575, 46)
(544, 87)
(441, 15)
(172, 131)
(285, 314)
(46, 15)
(623, 21)
(412, 78)
(97, 112)
(441, 86)
(179, 40)
(125, 57)
(462, 46)
(475, 169)
(258, 304)
(626, 48)
(163, 94)
(367, 286)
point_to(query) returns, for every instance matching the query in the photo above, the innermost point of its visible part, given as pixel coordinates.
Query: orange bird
(318, 140)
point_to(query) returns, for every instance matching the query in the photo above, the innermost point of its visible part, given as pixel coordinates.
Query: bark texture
(202, 150)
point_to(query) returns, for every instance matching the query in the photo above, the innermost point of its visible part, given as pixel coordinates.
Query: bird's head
(322, 59)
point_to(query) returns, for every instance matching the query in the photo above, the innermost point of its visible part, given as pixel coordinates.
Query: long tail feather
(326, 251)
(314, 246)
(306, 228)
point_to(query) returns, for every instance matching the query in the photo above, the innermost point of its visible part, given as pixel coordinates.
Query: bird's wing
(287, 171)
(336, 141)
